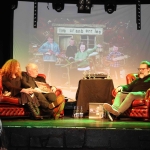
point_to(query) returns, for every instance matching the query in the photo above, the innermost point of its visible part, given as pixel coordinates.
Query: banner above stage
(88, 31)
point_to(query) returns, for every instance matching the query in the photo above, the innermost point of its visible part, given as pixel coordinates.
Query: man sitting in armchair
(127, 93)
(49, 102)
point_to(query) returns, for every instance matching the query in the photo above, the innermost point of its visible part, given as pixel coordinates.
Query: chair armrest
(147, 96)
(114, 93)
(9, 100)
(131, 77)
(56, 90)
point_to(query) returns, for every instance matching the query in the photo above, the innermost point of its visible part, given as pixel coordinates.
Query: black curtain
(6, 34)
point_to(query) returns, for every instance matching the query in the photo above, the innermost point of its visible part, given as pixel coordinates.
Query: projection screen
(121, 46)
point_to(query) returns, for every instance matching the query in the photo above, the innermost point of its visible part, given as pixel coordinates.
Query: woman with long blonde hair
(11, 81)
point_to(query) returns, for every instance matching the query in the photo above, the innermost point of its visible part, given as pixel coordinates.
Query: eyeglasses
(142, 69)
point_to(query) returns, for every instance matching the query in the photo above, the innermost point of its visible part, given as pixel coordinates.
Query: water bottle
(81, 112)
(74, 112)
(77, 112)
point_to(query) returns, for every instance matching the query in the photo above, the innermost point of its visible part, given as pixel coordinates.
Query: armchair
(139, 108)
(10, 107)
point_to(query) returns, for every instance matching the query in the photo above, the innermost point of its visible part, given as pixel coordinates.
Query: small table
(94, 91)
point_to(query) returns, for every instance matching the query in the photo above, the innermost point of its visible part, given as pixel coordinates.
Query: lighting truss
(58, 5)
(84, 6)
(138, 14)
(35, 13)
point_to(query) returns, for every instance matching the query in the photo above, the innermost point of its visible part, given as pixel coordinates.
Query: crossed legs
(122, 102)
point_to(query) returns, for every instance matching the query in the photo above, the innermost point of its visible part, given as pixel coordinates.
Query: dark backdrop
(6, 36)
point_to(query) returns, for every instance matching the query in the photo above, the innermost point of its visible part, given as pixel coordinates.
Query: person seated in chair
(127, 93)
(49, 102)
(11, 81)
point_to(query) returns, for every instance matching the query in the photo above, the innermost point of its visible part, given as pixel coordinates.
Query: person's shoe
(61, 114)
(58, 101)
(57, 110)
(109, 108)
(38, 117)
(110, 117)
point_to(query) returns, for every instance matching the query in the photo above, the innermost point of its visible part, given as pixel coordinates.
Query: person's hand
(119, 89)
(37, 90)
(27, 91)
(30, 90)
(53, 89)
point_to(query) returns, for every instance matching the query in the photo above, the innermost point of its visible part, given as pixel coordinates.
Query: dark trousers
(45, 100)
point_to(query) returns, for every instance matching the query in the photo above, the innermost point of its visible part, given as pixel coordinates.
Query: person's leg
(52, 108)
(42, 100)
(118, 100)
(57, 110)
(44, 104)
(51, 97)
(114, 108)
(128, 100)
(122, 102)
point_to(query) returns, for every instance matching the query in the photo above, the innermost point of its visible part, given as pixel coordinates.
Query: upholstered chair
(140, 108)
(10, 107)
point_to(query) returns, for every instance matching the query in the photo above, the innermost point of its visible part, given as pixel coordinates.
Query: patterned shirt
(112, 58)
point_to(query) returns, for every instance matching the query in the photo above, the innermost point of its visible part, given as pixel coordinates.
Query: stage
(70, 133)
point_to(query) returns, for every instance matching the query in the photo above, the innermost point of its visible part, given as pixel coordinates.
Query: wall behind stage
(98, 27)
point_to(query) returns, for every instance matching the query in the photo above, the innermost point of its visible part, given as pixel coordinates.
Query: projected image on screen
(68, 45)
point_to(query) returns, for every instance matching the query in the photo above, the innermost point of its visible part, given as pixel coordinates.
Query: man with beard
(127, 93)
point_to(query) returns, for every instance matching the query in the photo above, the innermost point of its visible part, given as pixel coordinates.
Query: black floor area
(70, 133)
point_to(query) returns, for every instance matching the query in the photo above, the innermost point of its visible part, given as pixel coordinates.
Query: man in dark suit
(49, 102)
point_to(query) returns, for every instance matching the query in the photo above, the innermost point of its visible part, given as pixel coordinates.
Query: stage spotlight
(110, 6)
(84, 6)
(58, 5)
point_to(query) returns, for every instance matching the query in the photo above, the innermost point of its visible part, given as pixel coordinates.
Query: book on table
(44, 87)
